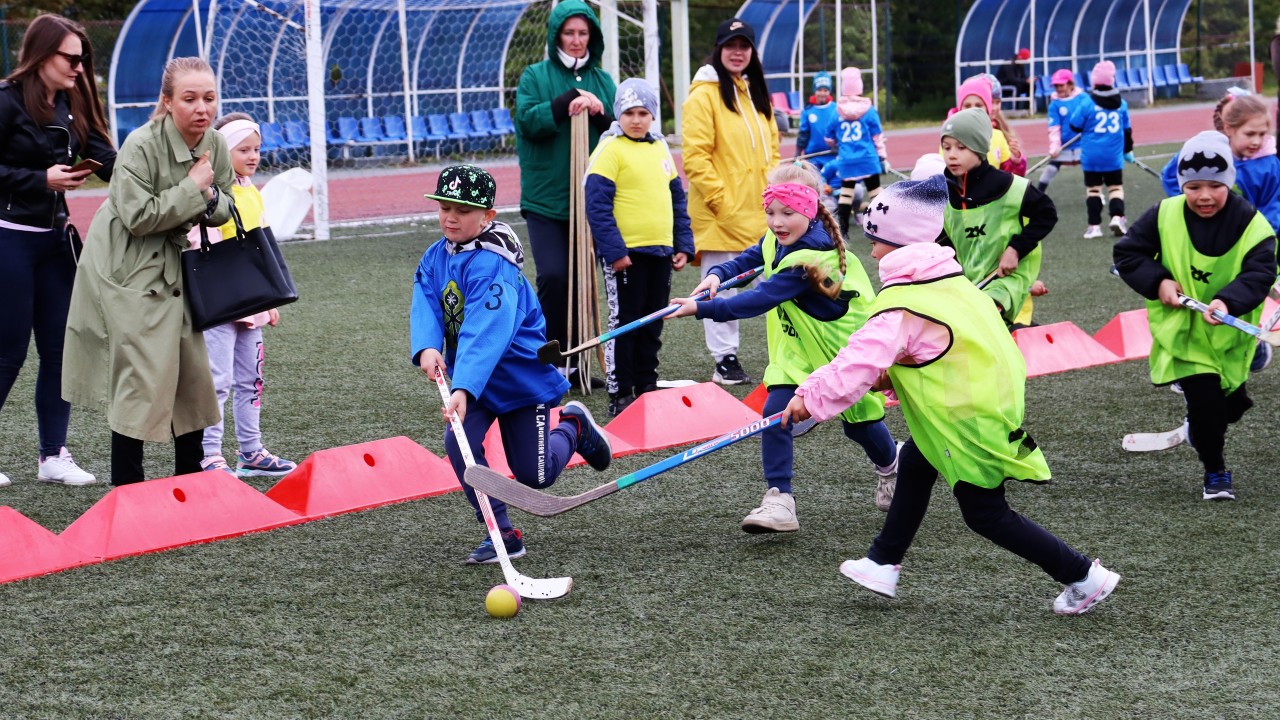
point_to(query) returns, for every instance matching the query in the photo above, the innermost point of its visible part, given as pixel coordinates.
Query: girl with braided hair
(814, 298)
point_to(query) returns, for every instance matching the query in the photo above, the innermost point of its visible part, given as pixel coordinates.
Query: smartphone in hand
(86, 164)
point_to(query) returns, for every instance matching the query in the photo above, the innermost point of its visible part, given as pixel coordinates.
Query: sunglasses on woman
(74, 60)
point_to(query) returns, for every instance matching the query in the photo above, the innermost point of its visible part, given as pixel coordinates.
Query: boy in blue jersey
(1066, 98)
(641, 236)
(815, 121)
(1106, 143)
(475, 314)
(858, 139)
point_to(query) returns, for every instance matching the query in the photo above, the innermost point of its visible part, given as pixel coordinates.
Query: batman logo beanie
(1206, 156)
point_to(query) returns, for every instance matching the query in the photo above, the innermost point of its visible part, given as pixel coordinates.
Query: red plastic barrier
(1060, 347)
(28, 549)
(755, 399)
(1127, 335)
(184, 510)
(666, 418)
(362, 476)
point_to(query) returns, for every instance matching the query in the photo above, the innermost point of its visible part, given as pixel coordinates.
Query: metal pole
(839, 42)
(1253, 66)
(888, 60)
(609, 27)
(316, 112)
(1151, 55)
(875, 56)
(652, 46)
(404, 71)
(797, 82)
(680, 76)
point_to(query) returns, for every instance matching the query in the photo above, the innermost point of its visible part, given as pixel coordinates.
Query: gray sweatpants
(235, 357)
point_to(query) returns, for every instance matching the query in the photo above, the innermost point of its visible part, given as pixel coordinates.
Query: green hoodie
(542, 142)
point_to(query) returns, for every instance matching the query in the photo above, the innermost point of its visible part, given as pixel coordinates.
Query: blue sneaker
(1261, 357)
(261, 463)
(593, 446)
(1217, 486)
(484, 554)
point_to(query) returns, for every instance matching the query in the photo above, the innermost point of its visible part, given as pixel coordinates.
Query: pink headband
(237, 130)
(801, 198)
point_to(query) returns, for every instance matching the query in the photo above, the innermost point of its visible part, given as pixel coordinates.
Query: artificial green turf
(675, 612)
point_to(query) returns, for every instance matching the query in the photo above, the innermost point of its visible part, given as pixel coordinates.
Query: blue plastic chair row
(477, 127)
(1163, 76)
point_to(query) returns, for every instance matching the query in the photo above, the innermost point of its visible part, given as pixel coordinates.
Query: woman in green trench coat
(130, 349)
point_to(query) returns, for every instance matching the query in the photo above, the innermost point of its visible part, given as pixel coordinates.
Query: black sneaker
(642, 389)
(618, 403)
(593, 445)
(1217, 486)
(729, 372)
(484, 554)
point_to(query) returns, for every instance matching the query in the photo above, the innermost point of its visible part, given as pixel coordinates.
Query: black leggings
(985, 511)
(126, 456)
(1209, 412)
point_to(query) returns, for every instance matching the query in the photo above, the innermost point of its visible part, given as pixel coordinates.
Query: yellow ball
(502, 601)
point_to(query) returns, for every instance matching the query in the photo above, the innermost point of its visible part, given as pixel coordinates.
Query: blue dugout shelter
(258, 53)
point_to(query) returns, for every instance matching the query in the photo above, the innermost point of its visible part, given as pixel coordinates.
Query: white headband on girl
(237, 130)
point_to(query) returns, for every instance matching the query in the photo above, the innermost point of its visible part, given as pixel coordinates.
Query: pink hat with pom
(977, 85)
(851, 81)
(1062, 77)
(1104, 73)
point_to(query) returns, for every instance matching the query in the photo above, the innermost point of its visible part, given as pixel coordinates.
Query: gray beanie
(1206, 156)
(633, 93)
(972, 128)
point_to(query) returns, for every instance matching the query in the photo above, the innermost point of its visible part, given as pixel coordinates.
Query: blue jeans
(777, 447)
(534, 455)
(36, 274)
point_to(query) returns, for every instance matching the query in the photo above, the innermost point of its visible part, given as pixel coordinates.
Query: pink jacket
(887, 338)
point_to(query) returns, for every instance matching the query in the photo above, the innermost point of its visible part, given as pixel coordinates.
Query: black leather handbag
(235, 278)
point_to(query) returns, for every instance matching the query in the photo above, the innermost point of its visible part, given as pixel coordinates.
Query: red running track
(397, 193)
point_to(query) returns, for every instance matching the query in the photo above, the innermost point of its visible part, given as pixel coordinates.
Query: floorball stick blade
(1155, 442)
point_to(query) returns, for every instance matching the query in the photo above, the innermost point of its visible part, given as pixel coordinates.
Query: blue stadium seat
(1138, 77)
(1158, 77)
(1081, 79)
(1185, 76)
(1122, 79)
(370, 130)
(296, 135)
(460, 123)
(502, 121)
(423, 135)
(482, 122)
(439, 125)
(393, 128)
(343, 131)
(272, 137)
(793, 99)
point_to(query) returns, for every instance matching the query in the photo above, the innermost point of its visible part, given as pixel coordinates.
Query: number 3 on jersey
(851, 131)
(1108, 122)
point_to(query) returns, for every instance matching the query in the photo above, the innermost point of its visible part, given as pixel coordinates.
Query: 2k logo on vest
(1199, 275)
(975, 231)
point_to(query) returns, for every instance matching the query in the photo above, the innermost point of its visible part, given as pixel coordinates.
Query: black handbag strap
(235, 216)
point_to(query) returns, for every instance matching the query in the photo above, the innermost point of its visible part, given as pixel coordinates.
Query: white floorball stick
(1154, 442)
(536, 588)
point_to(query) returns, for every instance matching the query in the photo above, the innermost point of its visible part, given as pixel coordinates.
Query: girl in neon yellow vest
(1212, 245)
(813, 300)
(959, 379)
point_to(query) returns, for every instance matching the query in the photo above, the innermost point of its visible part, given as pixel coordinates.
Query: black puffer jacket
(28, 150)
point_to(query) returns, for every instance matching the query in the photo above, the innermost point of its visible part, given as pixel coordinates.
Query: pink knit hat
(1062, 77)
(908, 212)
(977, 85)
(851, 81)
(1104, 73)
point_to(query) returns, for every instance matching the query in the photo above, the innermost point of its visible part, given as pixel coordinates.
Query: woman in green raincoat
(131, 351)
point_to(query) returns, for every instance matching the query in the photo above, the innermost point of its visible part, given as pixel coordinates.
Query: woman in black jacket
(49, 116)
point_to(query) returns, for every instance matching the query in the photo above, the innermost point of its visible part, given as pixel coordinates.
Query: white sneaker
(777, 513)
(62, 469)
(1119, 226)
(4, 480)
(887, 482)
(879, 579)
(1093, 231)
(1080, 597)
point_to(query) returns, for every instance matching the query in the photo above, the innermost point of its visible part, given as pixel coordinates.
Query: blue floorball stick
(1270, 337)
(550, 352)
(539, 503)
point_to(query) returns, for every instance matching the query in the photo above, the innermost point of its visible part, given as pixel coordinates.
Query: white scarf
(571, 62)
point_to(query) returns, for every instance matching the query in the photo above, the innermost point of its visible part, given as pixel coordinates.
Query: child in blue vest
(1212, 245)
(934, 340)
(1106, 144)
(815, 121)
(813, 298)
(1066, 98)
(859, 140)
(475, 315)
(640, 238)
